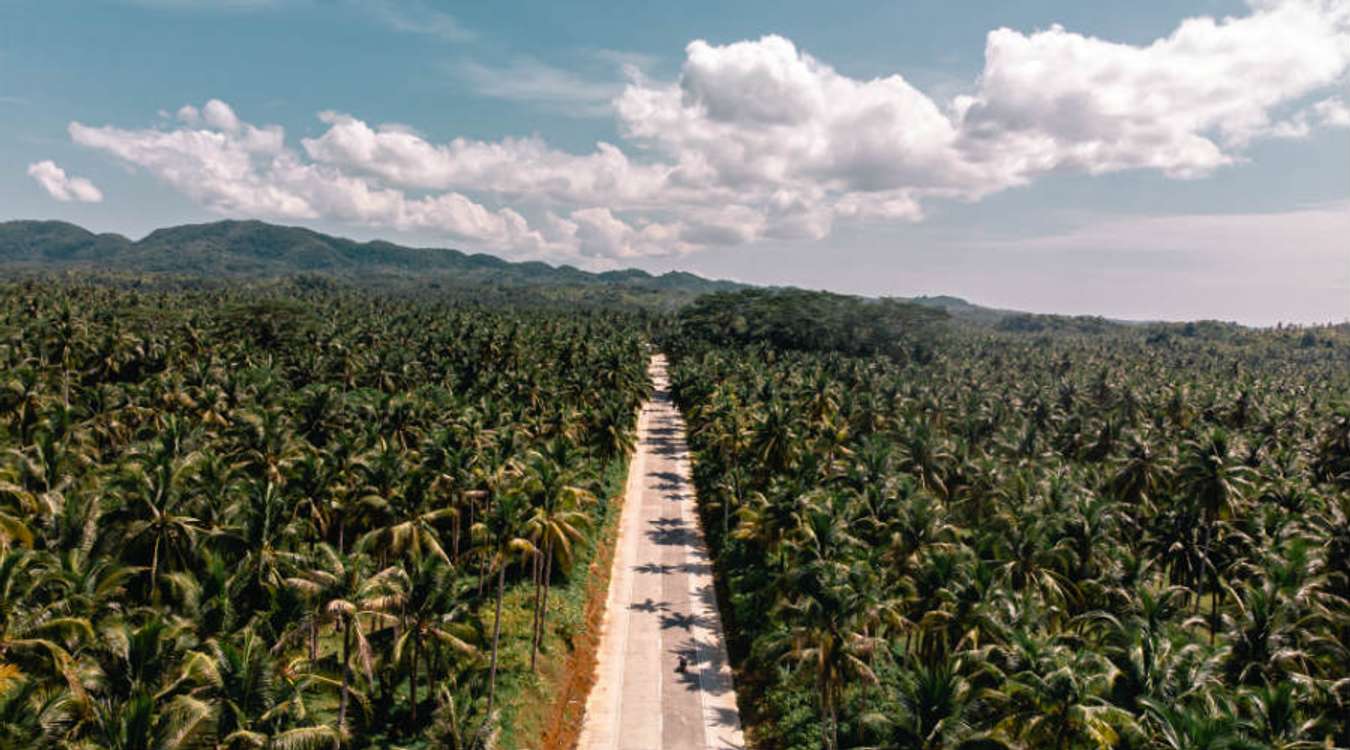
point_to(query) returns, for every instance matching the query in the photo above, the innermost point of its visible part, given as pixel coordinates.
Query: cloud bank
(61, 186)
(760, 140)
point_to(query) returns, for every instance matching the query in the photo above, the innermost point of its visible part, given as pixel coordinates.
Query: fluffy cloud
(1184, 104)
(759, 139)
(236, 168)
(61, 186)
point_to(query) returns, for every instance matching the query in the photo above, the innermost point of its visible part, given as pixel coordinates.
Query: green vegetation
(231, 252)
(798, 320)
(237, 519)
(324, 501)
(1067, 534)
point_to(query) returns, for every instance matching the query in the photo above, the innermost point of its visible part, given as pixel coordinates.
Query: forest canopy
(797, 320)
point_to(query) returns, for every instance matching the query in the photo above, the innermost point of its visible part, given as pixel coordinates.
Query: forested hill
(255, 249)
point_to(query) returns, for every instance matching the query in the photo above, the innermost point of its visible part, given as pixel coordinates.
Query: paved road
(661, 607)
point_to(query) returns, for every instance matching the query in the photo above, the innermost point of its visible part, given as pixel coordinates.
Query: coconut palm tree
(434, 615)
(502, 536)
(355, 600)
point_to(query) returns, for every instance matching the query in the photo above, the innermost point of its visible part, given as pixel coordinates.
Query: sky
(1150, 160)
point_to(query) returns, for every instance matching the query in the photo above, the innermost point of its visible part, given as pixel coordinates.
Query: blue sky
(1145, 160)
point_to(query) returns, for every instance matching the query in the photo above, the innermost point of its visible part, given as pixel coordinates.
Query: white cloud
(235, 168)
(1185, 104)
(415, 17)
(1332, 112)
(526, 79)
(513, 166)
(759, 139)
(61, 186)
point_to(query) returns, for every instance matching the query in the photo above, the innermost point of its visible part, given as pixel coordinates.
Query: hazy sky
(1145, 160)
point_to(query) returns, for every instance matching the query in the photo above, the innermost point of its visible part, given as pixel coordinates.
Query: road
(661, 607)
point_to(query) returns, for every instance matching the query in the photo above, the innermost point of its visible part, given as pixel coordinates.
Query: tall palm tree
(556, 522)
(434, 615)
(354, 599)
(825, 636)
(1217, 483)
(155, 486)
(502, 535)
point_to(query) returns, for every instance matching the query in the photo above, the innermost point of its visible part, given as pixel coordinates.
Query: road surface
(661, 607)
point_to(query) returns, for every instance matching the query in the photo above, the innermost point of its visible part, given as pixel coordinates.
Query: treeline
(1050, 541)
(238, 519)
(796, 320)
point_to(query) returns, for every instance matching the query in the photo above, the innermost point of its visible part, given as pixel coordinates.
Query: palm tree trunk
(1205, 563)
(431, 688)
(454, 537)
(1214, 608)
(537, 573)
(832, 736)
(543, 612)
(496, 636)
(154, 572)
(346, 678)
(412, 679)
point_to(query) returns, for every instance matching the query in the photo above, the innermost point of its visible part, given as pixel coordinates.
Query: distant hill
(255, 249)
(962, 310)
(225, 251)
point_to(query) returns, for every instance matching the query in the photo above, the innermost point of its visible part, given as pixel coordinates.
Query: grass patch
(532, 703)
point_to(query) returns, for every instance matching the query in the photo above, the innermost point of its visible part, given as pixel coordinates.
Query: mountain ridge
(251, 248)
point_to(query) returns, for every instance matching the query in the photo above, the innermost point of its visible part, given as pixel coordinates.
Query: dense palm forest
(250, 520)
(1112, 536)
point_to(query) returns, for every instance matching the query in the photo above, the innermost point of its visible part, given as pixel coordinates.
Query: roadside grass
(528, 700)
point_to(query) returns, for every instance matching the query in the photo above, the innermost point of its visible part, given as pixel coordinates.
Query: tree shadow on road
(650, 606)
(703, 670)
(672, 535)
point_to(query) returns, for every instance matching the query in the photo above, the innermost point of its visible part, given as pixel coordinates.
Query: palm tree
(1183, 727)
(232, 684)
(155, 486)
(501, 534)
(433, 615)
(825, 636)
(1217, 483)
(931, 702)
(354, 600)
(1141, 476)
(1057, 707)
(29, 715)
(554, 525)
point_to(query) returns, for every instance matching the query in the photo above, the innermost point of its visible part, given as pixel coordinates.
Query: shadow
(682, 621)
(676, 536)
(667, 521)
(707, 595)
(655, 569)
(726, 717)
(668, 477)
(650, 606)
(702, 673)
